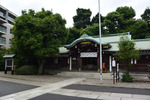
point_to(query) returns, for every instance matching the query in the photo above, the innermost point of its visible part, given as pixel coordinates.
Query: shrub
(26, 70)
(148, 71)
(126, 77)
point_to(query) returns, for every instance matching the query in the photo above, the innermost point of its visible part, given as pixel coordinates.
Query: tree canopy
(126, 12)
(146, 17)
(82, 19)
(39, 35)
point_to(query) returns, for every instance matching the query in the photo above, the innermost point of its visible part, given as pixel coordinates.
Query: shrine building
(83, 54)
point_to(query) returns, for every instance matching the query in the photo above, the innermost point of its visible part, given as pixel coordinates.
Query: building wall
(6, 20)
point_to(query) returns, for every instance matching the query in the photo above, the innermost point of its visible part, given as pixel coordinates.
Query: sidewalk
(53, 86)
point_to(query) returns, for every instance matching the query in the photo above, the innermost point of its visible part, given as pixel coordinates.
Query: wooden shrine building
(83, 54)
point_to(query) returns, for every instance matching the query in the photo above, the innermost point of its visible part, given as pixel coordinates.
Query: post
(12, 72)
(114, 66)
(110, 66)
(100, 45)
(70, 63)
(5, 66)
(118, 71)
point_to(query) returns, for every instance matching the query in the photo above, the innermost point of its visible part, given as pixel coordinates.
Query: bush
(126, 77)
(26, 70)
(148, 71)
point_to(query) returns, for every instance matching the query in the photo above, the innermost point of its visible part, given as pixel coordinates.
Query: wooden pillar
(79, 62)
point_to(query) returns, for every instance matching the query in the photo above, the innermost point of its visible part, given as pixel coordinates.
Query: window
(11, 31)
(10, 18)
(2, 40)
(3, 29)
(2, 14)
(10, 40)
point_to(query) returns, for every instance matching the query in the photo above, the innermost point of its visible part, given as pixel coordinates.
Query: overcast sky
(67, 8)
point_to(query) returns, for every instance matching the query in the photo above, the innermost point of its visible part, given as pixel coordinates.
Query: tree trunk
(41, 63)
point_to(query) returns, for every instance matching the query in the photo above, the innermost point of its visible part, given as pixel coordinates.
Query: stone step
(85, 74)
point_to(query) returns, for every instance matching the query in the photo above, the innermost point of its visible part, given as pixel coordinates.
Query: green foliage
(127, 51)
(26, 70)
(126, 77)
(127, 12)
(38, 35)
(95, 19)
(2, 61)
(94, 30)
(146, 17)
(149, 70)
(139, 29)
(82, 19)
(73, 34)
(3, 51)
(114, 22)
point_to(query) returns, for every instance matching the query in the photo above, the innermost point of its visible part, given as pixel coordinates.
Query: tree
(82, 19)
(95, 19)
(114, 22)
(73, 34)
(127, 51)
(94, 30)
(139, 30)
(38, 35)
(127, 12)
(146, 17)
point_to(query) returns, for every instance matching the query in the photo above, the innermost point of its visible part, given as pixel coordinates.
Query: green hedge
(26, 70)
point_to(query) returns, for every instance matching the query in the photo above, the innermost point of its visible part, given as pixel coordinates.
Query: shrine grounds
(66, 86)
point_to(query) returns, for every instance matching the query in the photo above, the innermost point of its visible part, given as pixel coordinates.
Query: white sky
(67, 8)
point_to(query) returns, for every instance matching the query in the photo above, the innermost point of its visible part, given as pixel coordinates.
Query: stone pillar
(70, 61)
(110, 63)
(12, 72)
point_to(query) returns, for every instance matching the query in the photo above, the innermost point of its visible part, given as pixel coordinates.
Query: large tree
(82, 19)
(114, 22)
(95, 19)
(39, 35)
(74, 33)
(138, 29)
(146, 17)
(127, 12)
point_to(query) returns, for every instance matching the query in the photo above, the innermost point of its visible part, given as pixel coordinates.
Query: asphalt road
(7, 88)
(49, 96)
(109, 89)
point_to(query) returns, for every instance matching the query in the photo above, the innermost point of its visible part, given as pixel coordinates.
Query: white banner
(88, 54)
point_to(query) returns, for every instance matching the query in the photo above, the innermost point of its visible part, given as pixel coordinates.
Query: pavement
(48, 87)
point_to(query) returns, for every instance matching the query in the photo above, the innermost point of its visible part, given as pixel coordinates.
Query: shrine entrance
(89, 64)
(86, 50)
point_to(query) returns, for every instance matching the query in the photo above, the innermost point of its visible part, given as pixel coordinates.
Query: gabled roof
(9, 56)
(140, 44)
(83, 38)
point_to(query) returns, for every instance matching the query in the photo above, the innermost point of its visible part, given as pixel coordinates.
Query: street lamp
(100, 44)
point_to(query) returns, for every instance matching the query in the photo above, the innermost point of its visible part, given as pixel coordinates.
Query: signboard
(105, 47)
(88, 54)
(85, 43)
